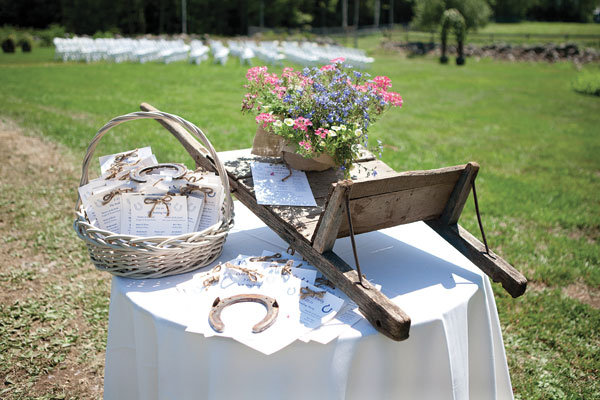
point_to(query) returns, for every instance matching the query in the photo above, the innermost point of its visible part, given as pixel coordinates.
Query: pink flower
(271, 79)
(329, 67)
(265, 119)
(322, 132)
(288, 72)
(393, 98)
(338, 60)
(305, 144)
(279, 91)
(254, 73)
(302, 123)
(382, 82)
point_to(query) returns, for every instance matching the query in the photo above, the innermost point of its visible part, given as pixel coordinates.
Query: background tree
(511, 10)
(428, 13)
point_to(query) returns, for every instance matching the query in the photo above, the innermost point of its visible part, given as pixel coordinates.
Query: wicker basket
(154, 257)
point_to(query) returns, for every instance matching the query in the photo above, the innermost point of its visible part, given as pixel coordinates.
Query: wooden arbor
(389, 199)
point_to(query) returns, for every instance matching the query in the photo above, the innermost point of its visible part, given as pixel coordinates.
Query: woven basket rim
(148, 257)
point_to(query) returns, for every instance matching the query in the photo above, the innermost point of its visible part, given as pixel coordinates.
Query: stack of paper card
(161, 206)
(310, 308)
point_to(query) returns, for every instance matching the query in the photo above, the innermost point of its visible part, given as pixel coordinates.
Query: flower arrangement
(325, 110)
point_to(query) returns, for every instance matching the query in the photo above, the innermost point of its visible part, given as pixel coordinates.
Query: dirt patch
(577, 291)
(582, 292)
(53, 304)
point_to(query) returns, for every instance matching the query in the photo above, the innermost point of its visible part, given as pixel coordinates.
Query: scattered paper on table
(297, 316)
(271, 190)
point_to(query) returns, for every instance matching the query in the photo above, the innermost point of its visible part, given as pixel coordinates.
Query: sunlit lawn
(534, 137)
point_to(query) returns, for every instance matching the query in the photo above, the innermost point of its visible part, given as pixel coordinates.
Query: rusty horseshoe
(214, 316)
(140, 174)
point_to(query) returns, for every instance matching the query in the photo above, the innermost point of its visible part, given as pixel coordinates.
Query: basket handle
(159, 115)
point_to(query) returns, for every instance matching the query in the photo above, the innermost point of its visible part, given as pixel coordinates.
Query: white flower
(266, 108)
(278, 123)
(335, 128)
(288, 121)
(358, 132)
(343, 127)
(332, 134)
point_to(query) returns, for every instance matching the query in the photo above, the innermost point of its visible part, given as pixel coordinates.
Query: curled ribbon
(107, 198)
(159, 200)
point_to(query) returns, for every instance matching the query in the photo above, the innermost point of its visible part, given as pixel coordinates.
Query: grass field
(513, 33)
(535, 138)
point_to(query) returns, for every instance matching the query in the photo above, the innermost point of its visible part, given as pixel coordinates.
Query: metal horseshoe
(139, 174)
(214, 316)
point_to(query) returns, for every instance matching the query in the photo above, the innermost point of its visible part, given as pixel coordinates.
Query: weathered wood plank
(380, 311)
(330, 220)
(492, 264)
(396, 208)
(460, 194)
(304, 219)
(200, 154)
(397, 181)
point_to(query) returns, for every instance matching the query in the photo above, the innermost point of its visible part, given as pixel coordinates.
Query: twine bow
(188, 189)
(287, 268)
(266, 258)
(121, 158)
(307, 292)
(116, 168)
(107, 198)
(158, 200)
(252, 274)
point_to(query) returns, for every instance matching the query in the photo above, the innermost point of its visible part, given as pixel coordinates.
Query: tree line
(233, 17)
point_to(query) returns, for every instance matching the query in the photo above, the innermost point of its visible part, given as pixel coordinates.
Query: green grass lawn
(535, 138)
(498, 32)
(558, 28)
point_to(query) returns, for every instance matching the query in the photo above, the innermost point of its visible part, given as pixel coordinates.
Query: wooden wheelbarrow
(364, 204)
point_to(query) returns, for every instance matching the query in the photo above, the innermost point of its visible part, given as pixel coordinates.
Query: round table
(454, 351)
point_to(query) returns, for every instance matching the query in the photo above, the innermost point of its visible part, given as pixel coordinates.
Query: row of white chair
(146, 50)
(120, 50)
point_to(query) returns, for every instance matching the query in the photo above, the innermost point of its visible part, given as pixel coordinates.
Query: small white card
(270, 189)
(107, 209)
(123, 173)
(212, 207)
(149, 215)
(133, 155)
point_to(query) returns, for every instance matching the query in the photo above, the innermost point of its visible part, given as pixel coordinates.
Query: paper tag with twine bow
(158, 215)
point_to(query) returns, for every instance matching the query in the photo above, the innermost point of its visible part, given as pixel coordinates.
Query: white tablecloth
(455, 349)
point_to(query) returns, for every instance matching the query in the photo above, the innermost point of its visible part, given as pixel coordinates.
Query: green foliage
(9, 43)
(428, 13)
(26, 42)
(452, 20)
(564, 10)
(47, 35)
(511, 10)
(588, 82)
(100, 34)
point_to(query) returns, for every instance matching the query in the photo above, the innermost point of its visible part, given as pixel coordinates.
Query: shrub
(26, 42)
(100, 35)
(588, 82)
(9, 43)
(48, 35)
